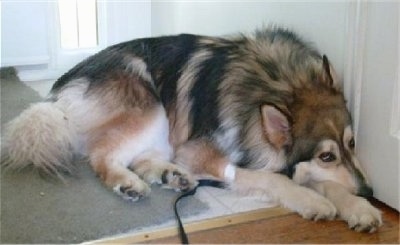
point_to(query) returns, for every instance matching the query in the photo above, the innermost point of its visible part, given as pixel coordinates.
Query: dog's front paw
(168, 175)
(178, 179)
(310, 205)
(361, 215)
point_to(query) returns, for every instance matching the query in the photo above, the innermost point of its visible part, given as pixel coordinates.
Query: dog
(260, 112)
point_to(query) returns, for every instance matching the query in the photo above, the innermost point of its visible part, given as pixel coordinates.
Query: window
(78, 23)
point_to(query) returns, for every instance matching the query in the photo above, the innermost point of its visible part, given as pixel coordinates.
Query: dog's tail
(40, 136)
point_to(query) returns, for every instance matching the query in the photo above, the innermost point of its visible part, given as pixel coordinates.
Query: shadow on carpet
(38, 210)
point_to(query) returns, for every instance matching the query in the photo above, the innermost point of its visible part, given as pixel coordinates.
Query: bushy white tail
(39, 136)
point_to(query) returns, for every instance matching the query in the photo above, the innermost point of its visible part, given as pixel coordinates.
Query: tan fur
(180, 128)
(129, 140)
(202, 158)
(125, 90)
(320, 109)
(105, 140)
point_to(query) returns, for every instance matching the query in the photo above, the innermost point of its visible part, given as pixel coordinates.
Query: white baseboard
(24, 61)
(38, 75)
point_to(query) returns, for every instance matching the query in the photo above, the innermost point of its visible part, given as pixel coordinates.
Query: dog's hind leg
(136, 139)
(114, 145)
(120, 179)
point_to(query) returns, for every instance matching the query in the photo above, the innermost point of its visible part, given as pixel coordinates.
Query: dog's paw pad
(132, 194)
(177, 180)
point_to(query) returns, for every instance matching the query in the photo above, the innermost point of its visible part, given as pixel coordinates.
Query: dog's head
(317, 135)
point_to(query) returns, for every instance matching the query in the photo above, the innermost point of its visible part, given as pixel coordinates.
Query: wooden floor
(291, 228)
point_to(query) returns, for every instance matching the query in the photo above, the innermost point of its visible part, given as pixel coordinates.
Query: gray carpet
(41, 210)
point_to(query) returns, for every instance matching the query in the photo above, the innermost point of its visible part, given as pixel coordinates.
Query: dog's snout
(365, 191)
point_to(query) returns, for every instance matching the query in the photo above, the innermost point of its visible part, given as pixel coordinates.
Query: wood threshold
(293, 229)
(201, 225)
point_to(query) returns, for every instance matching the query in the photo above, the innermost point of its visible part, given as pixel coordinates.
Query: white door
(377, 99)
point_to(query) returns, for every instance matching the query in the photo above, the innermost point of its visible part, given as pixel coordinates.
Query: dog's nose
(365, 191)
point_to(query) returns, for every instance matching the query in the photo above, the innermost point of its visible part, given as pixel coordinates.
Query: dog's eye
(327, 157)
(352, 143)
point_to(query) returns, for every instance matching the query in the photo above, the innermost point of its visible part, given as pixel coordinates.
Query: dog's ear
(276, 127)
(329, 75)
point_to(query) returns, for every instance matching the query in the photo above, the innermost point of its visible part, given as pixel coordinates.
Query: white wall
(163, 18)
(324, 23)
(23, 39)
(127, 20)
(378, 134)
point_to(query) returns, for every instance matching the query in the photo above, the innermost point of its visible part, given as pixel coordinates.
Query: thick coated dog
(261, 112)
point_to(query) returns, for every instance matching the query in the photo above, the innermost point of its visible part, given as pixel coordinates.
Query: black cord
(202, 182)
